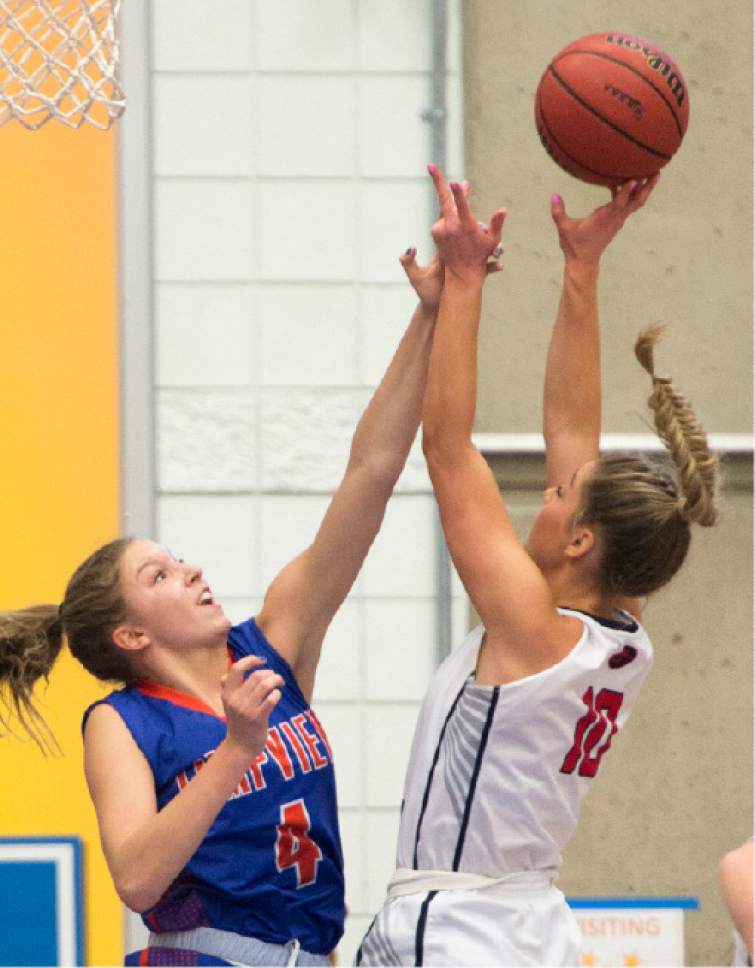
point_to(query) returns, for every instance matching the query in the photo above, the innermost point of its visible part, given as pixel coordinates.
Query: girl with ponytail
(210, 773)
(517, 719)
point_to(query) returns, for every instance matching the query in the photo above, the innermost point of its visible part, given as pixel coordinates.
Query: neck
(571, 594)
(196, 672)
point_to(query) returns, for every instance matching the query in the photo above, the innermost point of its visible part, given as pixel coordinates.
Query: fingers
(645, 189)
(257, 692)
(445, 198)
(496, 225)
(235, 675)
(634, 193)
(408, 260)
(558, 210)
(462, 201)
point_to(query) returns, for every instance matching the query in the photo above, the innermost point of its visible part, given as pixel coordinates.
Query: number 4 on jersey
(294, 848)
(593, 732)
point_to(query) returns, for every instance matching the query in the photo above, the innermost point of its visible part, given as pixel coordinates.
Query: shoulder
(107, 737)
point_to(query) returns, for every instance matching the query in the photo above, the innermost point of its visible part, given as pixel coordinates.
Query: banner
(622, 932)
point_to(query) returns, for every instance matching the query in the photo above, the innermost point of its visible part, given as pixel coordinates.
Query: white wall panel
(205, 440)
(307, 126)
(394, 216)
(339, 673)
(203, 230)
(381, 827)
(305, 437)
(287, 164)
(194, 35)
(309, 335)
(400, 562)
(298, 35)
(399, 101)
(205, 335)
(308, 230)
(399, 648)
(389, 735)
(204, 125)
(394, 35)
(344, 728)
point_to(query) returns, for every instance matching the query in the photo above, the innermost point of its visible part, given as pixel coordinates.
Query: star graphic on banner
(588, 958)
(631, 961)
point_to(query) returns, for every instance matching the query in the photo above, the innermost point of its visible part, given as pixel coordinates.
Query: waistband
(237, 947)
(407, 881)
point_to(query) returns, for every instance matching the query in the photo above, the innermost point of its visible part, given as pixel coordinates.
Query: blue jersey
(270, 866)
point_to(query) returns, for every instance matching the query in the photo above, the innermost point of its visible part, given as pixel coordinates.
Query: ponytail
(683, 435)
(31, 639)
(30, 642)
(643, 506)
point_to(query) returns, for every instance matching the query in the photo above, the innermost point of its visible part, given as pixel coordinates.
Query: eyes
(160, 575)
(560, 490)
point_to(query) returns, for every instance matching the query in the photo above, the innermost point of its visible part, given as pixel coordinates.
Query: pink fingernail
(431, 168)
(555, 199)
(454, 185)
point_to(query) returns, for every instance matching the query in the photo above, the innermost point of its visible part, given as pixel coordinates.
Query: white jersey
(492, 794)
(497, 773)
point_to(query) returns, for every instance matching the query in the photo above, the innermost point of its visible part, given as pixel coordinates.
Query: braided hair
(643, 507)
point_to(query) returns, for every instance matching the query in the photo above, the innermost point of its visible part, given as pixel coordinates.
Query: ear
(581, 543)
(130, 638)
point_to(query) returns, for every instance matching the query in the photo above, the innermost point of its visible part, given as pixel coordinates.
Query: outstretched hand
(427, 280)
(467, 248)
(585, 239)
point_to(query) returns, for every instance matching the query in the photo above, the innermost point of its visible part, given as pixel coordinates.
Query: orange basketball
(610, 107)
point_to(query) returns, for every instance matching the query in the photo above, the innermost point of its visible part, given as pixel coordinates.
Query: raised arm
(507, 588)
(572, 391)
(304, 597)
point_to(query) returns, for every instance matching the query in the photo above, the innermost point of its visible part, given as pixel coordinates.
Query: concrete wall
(686, 260)
(677, 790)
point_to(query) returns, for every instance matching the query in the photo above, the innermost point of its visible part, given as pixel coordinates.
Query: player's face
(169, 598)
(552, 529)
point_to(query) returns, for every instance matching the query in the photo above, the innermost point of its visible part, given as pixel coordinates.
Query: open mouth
(206, 598)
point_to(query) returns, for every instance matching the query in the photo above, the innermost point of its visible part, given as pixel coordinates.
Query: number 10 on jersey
(593, 732)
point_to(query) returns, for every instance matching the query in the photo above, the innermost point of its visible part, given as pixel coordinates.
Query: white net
(58, 59)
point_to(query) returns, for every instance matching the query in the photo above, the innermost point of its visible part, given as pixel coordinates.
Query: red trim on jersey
(158, 691)
(144, 956)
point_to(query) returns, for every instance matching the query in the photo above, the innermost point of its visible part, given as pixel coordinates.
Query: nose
(193, 573)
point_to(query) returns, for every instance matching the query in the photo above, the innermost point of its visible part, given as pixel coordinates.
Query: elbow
(444, 448)
(379, 471)
(137, 896)
(431, 444)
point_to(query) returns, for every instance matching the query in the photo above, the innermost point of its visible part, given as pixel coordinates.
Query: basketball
(611, 107)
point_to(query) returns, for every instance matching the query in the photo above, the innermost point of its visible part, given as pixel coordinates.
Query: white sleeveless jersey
(497, 774)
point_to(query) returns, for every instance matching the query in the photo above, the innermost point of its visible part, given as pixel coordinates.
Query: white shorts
(530, 927)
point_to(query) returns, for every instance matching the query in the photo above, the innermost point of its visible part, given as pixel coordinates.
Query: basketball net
(58, 59)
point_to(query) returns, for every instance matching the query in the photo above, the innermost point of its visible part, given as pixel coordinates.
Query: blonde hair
(31, 639)
(643, 507)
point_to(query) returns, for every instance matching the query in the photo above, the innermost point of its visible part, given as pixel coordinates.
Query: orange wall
(59, 445)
